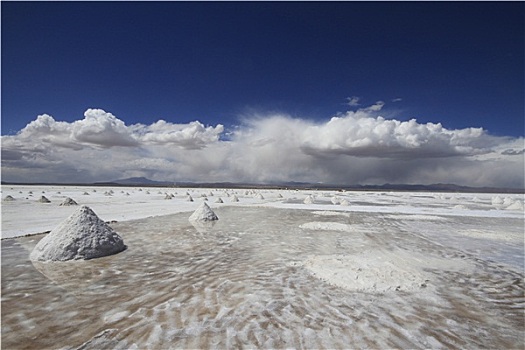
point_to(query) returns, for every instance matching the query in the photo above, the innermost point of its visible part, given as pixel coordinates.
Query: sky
(331, 92)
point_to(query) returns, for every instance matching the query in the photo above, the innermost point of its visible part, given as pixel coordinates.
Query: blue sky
(232, 67)
(460, 64)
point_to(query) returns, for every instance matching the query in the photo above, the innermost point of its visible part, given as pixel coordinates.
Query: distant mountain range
(142, 181)
(145, 182)
(137, 181)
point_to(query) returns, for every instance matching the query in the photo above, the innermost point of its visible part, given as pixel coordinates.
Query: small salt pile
(67, 202)
(9, 199)
(43, 199)
(517, 205)
(260, 196)
(219, 200)
(235, 198)
(83, 235)
(189, 199)
(203, 214)
(308, 200)
(345, 203)
(168, 196)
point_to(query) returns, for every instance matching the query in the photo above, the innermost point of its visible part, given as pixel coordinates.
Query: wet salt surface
(246, 282)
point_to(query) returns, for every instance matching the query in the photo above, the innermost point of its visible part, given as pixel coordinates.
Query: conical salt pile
(67, 202)
(203, 214)
(8, 199)
(43, 199)
(308, 200)
(83, 235)
(517, 205)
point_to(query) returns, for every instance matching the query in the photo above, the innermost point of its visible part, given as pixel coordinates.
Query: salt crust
(416, 217)
(382, 271)
(203, 214)
(83, 235)
(330, 213)
(327, 226)
(499, 236)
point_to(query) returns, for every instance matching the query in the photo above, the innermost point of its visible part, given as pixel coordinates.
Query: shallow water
(241, 284)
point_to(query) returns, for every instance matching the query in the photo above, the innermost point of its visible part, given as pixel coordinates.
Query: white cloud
(189, 136)
(355, 147)
(99, 128)
(353, 101)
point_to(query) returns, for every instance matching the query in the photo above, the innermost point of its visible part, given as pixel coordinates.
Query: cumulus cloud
(356, 147)
(189, 136)
(360, 136)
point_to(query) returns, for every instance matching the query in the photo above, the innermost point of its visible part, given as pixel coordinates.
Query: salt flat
(404, 270)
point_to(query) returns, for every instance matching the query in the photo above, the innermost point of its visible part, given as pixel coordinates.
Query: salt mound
(335, 200)
(219, 200)
(9, 199)
(260, 196)
(68, 201)
(234, 198)
(345, 203)
(517, 205)
(189, 199)
(83, 235)
(309, 200)
(43, 199)
(203, 214)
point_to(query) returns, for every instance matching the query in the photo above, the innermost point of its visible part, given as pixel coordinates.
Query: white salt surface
(327, 226)
(375, 276)
(141, 204)
(330, 213)
(382, 271)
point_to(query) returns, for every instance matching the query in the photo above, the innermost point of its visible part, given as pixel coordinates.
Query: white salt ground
(330, 213)
(381, 271)
(119, 207)
(328, 226)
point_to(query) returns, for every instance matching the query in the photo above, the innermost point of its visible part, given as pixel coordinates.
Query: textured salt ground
(241, 283)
